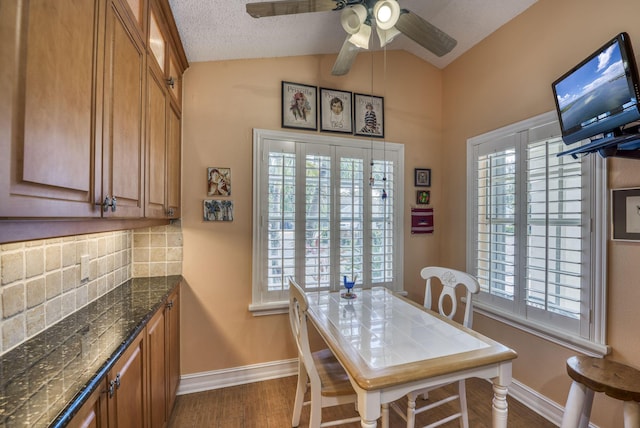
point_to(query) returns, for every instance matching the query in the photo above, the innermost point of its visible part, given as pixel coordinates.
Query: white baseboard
(215, 379)
(205, 381)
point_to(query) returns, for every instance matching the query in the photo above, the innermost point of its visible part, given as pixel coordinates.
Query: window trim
(596, 345)
(260, 307)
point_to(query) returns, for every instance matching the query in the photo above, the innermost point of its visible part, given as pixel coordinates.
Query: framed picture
(299, 106)
(423, 197)
(422, 177)
(217, 210)
(335, 111)
(368, 115)
(625, 214)
(218, 181)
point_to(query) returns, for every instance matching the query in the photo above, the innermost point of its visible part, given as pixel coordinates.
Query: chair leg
(301, 388)
(578, 408)
(464, 413)
(631, 414)
(315, 414)
(411, 410)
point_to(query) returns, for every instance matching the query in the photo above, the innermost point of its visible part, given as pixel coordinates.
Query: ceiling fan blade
(289, 7)
(345, 58)
(425, 34)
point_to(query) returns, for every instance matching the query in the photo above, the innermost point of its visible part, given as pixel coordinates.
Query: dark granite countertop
(44, 381)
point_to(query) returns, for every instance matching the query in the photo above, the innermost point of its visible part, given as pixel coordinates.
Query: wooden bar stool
(591, 375)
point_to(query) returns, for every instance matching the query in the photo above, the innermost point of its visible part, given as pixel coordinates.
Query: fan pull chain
(372, 180)
(384, 141)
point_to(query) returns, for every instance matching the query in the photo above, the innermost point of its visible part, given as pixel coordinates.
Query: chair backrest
(298, 306)
(450, 279)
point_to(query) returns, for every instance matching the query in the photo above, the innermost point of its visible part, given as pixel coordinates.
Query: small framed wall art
(368, 115)
(625, 214)
(423, 197)
(335, 111)
(217, 210)
(422, 177)
(218, 181)
(299, 106)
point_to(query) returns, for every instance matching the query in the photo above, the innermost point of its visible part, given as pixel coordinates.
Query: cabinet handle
(171, 82)
(109, 202)
(170, 304)
(112, 388)
(170, 212)
(117, 381)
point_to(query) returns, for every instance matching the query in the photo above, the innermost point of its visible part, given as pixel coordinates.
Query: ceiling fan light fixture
(361, 38)
(353, 18)
(386, 36)
(386, 13)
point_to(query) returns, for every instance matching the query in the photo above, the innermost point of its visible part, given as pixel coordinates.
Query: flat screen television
(599, 95)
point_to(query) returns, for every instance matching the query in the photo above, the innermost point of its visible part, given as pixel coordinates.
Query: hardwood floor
(269, 404)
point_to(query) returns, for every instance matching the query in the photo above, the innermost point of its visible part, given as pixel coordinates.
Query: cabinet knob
(171, 81)
(170, 304)
(170, 212)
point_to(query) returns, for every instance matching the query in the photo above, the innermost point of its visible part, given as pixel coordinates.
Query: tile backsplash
(41, 281)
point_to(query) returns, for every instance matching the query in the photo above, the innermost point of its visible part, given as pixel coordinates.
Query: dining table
(390, 346)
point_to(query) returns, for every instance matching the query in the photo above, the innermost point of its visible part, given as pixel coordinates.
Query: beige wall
(223, 102)
(505, 79)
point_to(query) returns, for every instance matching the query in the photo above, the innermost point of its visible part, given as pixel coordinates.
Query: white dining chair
(319, 370)
(448, 305)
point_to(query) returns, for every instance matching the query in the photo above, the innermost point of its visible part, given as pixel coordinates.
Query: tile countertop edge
(81, 397)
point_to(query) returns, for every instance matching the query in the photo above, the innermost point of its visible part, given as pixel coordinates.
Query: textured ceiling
(214, 30)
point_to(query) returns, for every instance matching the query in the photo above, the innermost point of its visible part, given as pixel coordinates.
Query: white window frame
(592, 339)
(263, 303)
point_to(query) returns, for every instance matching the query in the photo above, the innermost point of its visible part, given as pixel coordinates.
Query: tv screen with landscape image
(600, 94)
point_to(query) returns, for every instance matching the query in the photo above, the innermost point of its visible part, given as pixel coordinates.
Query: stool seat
(591, 375)
(617, 380)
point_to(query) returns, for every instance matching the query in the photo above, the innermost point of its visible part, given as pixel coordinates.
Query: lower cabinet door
(127, 406)
(156, 339)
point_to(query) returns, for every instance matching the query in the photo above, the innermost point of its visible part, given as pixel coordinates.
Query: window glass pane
(554, 233)
(496, 186)
(281, 220)
(382, 200)
(317, 271)
(351, 217)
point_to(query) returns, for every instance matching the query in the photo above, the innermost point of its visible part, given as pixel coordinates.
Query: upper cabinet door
(50, 57)
(123, 116)
(157, 39)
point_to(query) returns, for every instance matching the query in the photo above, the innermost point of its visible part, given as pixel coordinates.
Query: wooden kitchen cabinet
(158, 346)
(164, 119)
(73, 116)
(123, 115)
(163, 337)
(173, 352)
(126, 385)
(49, 78)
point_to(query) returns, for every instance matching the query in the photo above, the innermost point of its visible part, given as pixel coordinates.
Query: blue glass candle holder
(349, 286)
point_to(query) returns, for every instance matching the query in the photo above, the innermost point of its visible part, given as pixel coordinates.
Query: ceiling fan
(357, 18)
